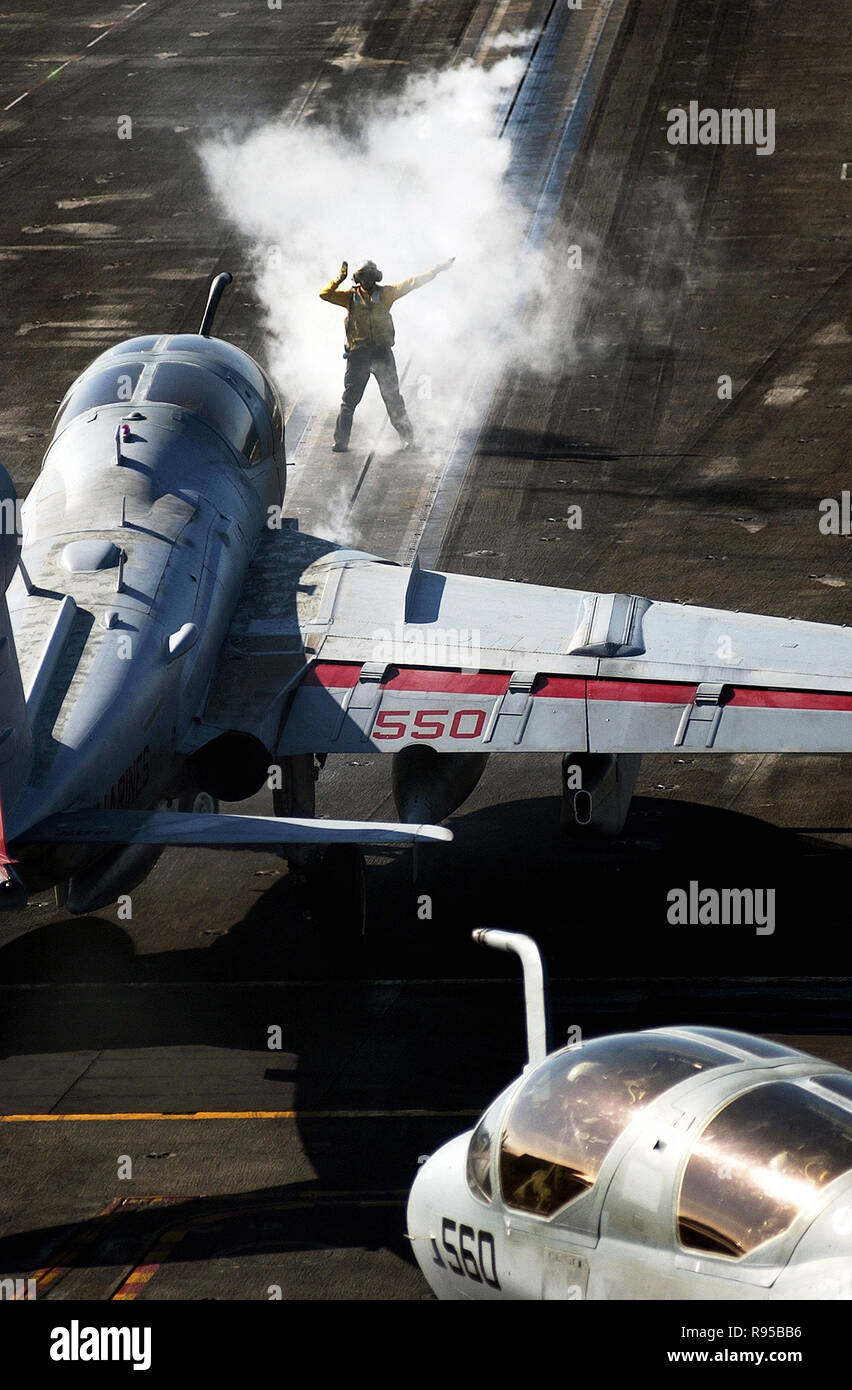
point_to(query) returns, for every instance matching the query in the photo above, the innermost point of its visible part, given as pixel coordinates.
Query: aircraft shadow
(428, 1045)
(597, 909)
(267, 1220)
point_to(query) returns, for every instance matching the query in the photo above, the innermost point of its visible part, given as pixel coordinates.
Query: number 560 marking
(475, 1257)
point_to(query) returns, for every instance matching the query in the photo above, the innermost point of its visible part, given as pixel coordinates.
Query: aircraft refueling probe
(217, 289)
(536, 1000)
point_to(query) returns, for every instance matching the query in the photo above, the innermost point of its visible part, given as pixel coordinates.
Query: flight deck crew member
(369, 344)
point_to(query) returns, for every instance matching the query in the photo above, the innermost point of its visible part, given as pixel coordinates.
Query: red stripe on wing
(344, 675)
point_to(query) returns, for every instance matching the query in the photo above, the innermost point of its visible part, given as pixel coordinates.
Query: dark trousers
(360, 363)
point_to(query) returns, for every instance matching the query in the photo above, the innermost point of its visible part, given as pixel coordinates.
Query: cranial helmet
(367, 274)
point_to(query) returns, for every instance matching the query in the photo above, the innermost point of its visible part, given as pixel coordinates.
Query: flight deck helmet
(368, 275)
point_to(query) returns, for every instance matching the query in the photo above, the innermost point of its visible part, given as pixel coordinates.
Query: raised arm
(406, 286)
(332, 294)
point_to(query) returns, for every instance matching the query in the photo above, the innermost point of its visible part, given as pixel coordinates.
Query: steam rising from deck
(419, 176)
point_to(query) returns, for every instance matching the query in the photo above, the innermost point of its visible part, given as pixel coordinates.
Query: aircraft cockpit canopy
(212, 399)
(565, 1118)
(762, 1160)
(756, 1047)
(207, 377)
(210, 350)
(108, 386)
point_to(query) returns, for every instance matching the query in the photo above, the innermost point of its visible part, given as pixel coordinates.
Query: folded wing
(337, 651)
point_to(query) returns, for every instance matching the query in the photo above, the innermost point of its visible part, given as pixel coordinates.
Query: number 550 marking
(428, 723)
(475, 1257)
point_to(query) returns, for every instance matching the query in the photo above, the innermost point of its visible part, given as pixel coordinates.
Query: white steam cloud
(417, 178)
(520, 38)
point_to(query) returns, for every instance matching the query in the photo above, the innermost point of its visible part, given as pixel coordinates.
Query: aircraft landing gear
(338, 895)
(297, 797)
(335, 877)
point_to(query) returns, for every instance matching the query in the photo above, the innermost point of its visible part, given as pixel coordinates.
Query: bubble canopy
(210, 377)
(216, 350)
(760, 1162)
(565, 1118)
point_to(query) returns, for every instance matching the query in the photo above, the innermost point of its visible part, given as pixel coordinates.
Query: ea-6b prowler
(166, 642)
(676, 1163)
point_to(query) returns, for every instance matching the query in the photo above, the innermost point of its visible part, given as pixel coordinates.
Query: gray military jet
(167, 640)
(677, 1163)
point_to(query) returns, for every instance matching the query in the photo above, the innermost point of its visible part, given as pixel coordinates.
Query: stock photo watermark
(694, 125)
(722, 907)
(449, 646)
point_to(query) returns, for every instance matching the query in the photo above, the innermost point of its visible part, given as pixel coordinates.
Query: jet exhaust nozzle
(232, 767)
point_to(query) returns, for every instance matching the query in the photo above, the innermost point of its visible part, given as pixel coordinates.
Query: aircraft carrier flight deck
(273, 1086)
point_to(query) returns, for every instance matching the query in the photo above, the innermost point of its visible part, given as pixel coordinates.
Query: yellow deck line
(83, 1117)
